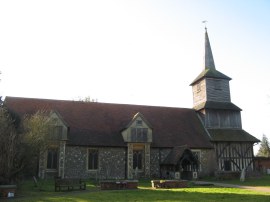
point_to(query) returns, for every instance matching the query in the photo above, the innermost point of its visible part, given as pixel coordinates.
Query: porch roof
(176, 155)
(231, 135)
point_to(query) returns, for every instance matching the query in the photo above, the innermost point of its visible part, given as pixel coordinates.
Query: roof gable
(139, 116)
(138, 130)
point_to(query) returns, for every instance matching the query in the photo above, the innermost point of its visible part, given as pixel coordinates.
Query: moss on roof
(210, 73)
(231, 135)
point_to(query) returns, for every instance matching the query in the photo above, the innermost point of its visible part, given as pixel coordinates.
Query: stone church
(121, 141)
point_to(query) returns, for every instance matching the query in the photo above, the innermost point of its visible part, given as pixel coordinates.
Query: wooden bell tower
(221, 118)
(211, 95)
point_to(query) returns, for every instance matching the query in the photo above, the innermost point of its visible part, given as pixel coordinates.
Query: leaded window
(139, 123)
(139, 134)
(137, 159)
(92, 159)
(197, 155)
(52, 158)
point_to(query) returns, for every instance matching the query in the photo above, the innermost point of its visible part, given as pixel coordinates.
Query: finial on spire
(204, 22)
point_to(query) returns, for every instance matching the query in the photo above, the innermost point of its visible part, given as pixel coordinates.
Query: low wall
(169, 183)
(7, 191)
(123, 184)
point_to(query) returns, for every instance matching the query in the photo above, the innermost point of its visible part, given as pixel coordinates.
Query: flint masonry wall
(157, 156)
(111, 163)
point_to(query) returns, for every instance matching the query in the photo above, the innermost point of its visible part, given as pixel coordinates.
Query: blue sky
(138, 52)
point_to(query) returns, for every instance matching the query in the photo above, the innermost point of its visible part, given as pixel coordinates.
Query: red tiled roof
(100, 124)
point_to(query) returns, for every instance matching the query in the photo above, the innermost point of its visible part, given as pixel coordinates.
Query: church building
(122, 141)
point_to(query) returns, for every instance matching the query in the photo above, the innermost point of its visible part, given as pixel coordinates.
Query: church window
(139, 123)
(137, 159)
(227, 165)
(52, 158)
(139, 134)
(197, 155)
(92, 159)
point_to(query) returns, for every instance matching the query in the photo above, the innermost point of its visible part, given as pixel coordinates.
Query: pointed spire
(208, 56)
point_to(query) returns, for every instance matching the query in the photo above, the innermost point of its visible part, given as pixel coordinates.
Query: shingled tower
(211, 95)
(221, 118)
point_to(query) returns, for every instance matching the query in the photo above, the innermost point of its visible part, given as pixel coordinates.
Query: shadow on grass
(147, 194)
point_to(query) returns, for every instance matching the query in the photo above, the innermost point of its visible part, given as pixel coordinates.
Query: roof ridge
(106, 103)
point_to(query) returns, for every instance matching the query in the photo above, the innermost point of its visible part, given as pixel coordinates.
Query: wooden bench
(69, 184)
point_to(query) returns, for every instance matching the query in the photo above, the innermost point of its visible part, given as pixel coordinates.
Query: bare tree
(264, 149)
(37, 128)
(36, 138)
(87, 99)
(9, 143)
(21, 144)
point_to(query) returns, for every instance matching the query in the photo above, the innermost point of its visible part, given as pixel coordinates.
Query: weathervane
(204, 22)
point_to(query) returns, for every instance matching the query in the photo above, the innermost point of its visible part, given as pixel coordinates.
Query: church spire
(208, 56)
(209, 69)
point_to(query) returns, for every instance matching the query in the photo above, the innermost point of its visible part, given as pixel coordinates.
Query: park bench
(69, 184)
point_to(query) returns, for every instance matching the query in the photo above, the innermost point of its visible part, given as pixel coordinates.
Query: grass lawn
(263, 181)
(29, 193)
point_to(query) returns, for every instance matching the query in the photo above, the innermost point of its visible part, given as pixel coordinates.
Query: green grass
(263, 181)
(28, 193)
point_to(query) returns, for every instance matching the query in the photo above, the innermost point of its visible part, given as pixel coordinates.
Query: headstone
(10, 195)
(177, 175)
(243, 175)
(194, 175)
(35, 181)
